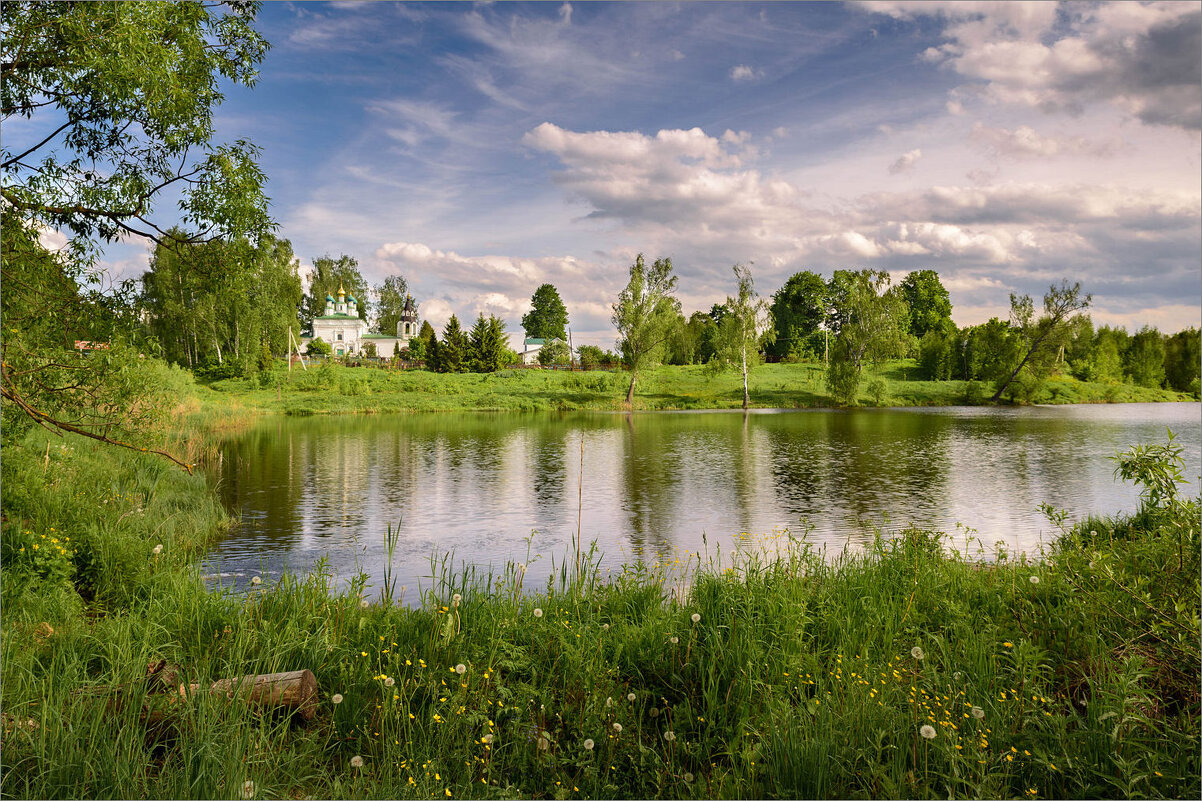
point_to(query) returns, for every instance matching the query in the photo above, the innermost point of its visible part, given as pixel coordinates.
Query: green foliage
(930, 306)
(131, 89)
(319, 347)
(548, 317)
(390, 304)
(1183, 360)
(747, 323)
(1040, 340)
(554, 352)
(940, 350)
(452, 354)
(590, 356)
(487, 342)
(868, 325)
(799, 309)
(1156, 468)
(1144, 358)
(644, 314)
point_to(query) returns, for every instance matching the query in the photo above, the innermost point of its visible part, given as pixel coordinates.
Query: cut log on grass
(294, 691)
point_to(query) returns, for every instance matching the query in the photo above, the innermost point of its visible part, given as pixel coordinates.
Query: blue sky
(482, 149)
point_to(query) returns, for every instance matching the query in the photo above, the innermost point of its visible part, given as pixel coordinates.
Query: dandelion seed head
(674, 640)
(696, 617)
(486, 739)
(538, 612)
(688, 778)
(158, 549)
(927, 731)
(456, 598)
(978, 713)
(356, 761)
(248, 789)
(256, 581)
(957, 675)
(1034, 579)
(631, 697)
(654, 712)
(618, 728)
(336, 698)
(363, 604)
(609, 702)
(669, 735)
(389, 681)
(588, 745)
(917, 653)
(605, 627)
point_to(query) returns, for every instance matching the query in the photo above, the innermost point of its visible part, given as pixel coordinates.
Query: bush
(319, 347)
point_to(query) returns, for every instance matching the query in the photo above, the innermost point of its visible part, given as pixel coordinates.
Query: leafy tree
(643, 316)
(319, 347)
(989, 351)
(1144, 360)
(328, 276)
(422, 345)
(1039, 339)
(392, 295)
(554, 352)
(930, 306)
(591, 356)
(748, 320)
(799, 309)
(119, 100)
(938, 351)
(455, 349)
(1183, 360)
(867, 323)
(548, 317)
(1106, 356)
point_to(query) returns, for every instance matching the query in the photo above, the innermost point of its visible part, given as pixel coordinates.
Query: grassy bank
(1073, 676)
(335, 389)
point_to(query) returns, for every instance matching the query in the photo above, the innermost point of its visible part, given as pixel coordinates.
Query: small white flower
(538, 612)
(631, 697)
(356, 761)
(336, 698)
(674, 640)
(978, 713)
(486, 739)
(256, 581)
(158, 549)
(618, 728)
(688, 778)
(917, 653)
(461, 668)
(588, 745)
(248, 789)
(696, 617)
(389, 681)
(669, 735)
(927, 731)
(1034, 579)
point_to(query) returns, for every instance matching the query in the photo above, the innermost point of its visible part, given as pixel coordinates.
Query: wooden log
(295, 690)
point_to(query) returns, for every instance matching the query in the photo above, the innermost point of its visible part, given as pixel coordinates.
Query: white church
(347, 334)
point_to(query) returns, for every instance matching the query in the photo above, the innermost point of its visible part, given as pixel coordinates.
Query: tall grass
(754, 675)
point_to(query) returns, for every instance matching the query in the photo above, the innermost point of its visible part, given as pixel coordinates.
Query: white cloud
(742, 72)
(1025, 142)
(905, 162)
(1057, 57)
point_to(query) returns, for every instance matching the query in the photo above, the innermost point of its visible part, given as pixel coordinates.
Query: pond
(490, 488)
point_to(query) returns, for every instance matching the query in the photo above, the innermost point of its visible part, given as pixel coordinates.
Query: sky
(482, 149)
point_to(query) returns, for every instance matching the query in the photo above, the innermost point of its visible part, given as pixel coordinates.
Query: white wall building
(348, 335)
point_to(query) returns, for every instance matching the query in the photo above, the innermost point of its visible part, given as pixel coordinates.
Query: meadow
(335, 389)
(912, 669)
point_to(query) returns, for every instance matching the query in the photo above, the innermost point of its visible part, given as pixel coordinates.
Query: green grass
(332, 389)
(797, 679)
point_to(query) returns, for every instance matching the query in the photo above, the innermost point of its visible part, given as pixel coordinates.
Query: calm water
(653, 484)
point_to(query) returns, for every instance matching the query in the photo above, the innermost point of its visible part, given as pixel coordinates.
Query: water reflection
(653, 484)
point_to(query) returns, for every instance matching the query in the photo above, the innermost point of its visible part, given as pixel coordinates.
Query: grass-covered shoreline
(334, 389)
(1072, 676)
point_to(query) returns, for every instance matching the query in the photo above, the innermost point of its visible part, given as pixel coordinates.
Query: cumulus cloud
(742, 72)
(905, 162)
(1141, 57)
